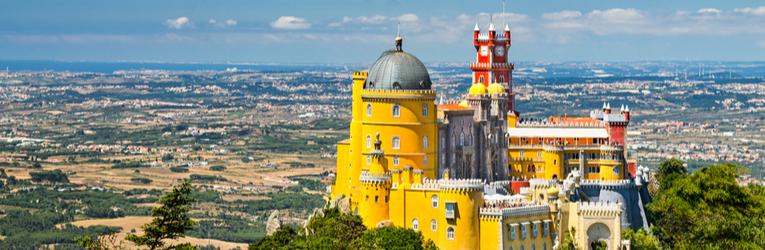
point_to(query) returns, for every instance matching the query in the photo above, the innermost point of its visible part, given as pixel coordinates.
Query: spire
(604, 105)
(491, 27)
(507, 27)
(622, 109)
(627, 108)
(608, 106)
(476, 27)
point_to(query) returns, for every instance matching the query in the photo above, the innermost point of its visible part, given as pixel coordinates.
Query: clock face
(484, 50)
(499, 50)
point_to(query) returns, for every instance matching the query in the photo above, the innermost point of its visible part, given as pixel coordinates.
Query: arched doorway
(598, 236)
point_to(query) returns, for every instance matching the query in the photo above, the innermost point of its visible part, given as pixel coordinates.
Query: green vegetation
(201, 177)
(293, 201)
(133, 164)
(179, 170)
(708, 209)
(141, 180)
(55, 176)
(336, 230)
(311, 184)
(218, 168)
(70, 201)
(25, 230)
(171, 221)
(229, 228)
(640, 240)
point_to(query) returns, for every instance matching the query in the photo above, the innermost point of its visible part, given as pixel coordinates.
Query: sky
(358, 31)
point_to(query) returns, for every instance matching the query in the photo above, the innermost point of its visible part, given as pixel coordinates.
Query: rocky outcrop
(273, 223)
(344, 205)
(333, 202)
(385, 223)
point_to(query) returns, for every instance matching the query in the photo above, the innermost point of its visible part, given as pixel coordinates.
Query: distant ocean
(110, 67)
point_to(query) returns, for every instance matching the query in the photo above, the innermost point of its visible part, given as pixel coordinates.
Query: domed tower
(399, 105)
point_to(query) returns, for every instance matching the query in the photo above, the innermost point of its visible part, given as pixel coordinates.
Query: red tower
(491, 64)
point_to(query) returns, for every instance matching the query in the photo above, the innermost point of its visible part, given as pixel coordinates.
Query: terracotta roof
(452, 106)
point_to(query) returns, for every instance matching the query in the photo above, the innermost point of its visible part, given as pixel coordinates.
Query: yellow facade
(528, 161)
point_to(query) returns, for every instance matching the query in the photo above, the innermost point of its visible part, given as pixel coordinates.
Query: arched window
(395, 160)
(454, 141)
(533, 246)
(511, 248)
(396, 110)
(555, 162)
(470, 139)
(522, 248)
(450, 233)
(502, 79)
(425, 110)
(425, 142)
(480, 79)
(369, 110)
(443, 159)
(443, 141)
(396, 143)
(434, 201)
(616, 170)
(369, 141)
(425, 160)
(434, 226)
(369, 159)
(462, 139)
(544, 245)
(415, 225)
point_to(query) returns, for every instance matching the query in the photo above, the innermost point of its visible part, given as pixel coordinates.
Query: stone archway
(598, 233)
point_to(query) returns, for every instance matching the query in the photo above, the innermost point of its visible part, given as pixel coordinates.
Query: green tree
(640, 240)
(710, 210)
(167, 157)
(36, 165)
(245, 159)
(12, 180)
(171, 221)
(670, 170)
(394, 238)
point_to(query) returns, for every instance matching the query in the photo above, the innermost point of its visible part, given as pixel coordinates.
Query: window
(462, 139)
(511, 248)
(501, 78)
(449, 207)
(395, 160)
(369, 141)
(534, 230)
(443, 159)
(520, 153)
(396, 143)
(425, 110)
(386, 199)
(434, 201)
(454, 158)
(425, 142)
(450, 233)
(522, 247)
(454, 141)
(415, 225)
(396, 110)
(547, 229)
(544, 245)
(350, 166)
(512, 232)
(533, 246)
(349, 179)
(539, 154)
(369, 159)
(377, 199)
(433, 225)
(523, 231)
(555, 162)
(443, 142)
(369, 110)
(425, 160)
(616, 171)
(480, 79)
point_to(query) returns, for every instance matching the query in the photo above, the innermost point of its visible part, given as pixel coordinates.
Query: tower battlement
(375, 178)
(548, 124)
(599, 209)
(525, 209)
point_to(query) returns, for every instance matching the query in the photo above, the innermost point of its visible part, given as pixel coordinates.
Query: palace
(474, 174)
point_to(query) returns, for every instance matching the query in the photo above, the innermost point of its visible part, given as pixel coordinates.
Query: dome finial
(398, 38)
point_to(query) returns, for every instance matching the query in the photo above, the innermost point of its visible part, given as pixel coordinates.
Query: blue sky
(344, 31)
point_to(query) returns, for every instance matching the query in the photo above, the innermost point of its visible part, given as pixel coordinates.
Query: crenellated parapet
(360, 75)
(599, 209)
(608, 116)
(375, 178)
(552, 148)
(427, 185)
(468, 185)
(522, 210)
(488, 66)
(607, 184)
(406, 94)
(547, 124)
(540, 183)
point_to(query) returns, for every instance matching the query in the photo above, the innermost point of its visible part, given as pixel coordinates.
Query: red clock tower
(491, 64)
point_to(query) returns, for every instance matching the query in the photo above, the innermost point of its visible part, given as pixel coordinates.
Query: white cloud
(407, 18)
(616, 15)
(231, 22)
(181, 22)
(211, 21)
(761, 44)
(290, 22)
(335, 24)
(709, 11)
(566, 14)
(760, 11)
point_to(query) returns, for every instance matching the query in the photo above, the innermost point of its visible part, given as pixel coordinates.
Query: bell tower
(491, 64)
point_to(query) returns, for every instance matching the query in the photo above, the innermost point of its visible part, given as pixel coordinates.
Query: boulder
(273, 223)
(344, 205)
(385, 223)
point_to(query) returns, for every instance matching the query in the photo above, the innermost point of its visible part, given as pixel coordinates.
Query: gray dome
(396, 69)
